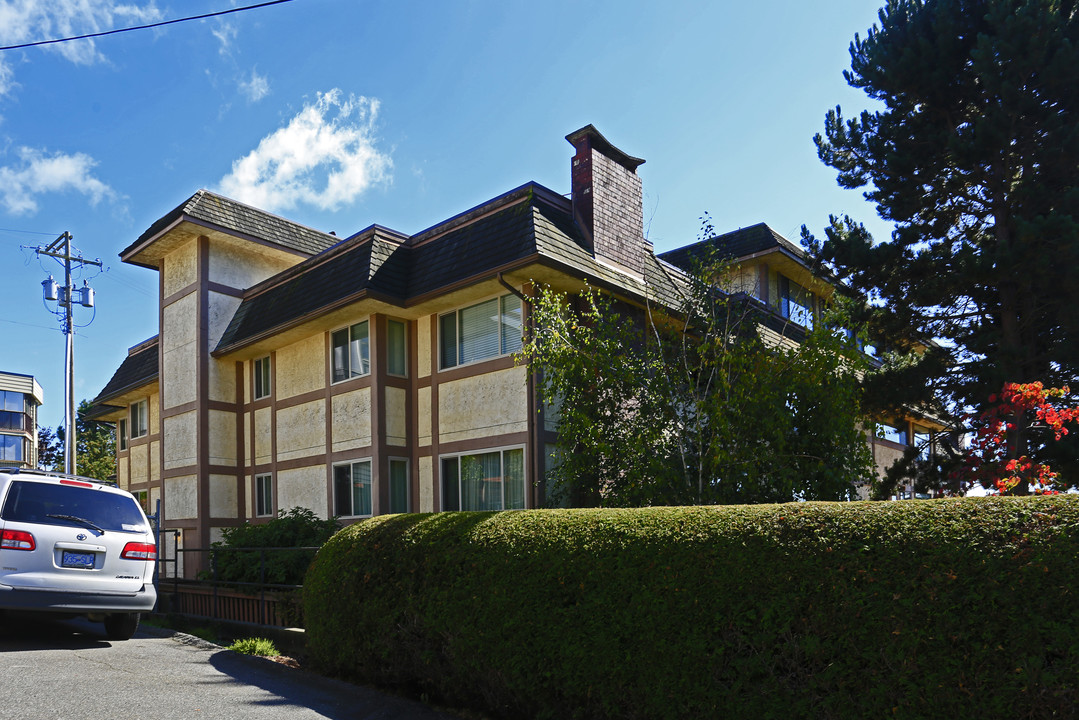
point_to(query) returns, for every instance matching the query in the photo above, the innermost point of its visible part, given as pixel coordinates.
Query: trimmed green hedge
(945, 608)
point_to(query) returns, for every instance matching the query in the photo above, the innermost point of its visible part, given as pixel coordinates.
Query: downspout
(531, 400)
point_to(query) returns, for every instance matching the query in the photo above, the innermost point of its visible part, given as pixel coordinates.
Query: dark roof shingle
(138, 368)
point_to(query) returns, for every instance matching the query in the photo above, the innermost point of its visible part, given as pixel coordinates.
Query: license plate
(77, 560)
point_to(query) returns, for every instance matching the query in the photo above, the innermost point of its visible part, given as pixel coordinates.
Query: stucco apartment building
(375, 374)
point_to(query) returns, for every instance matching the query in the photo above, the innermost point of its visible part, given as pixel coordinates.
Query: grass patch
(255, 646)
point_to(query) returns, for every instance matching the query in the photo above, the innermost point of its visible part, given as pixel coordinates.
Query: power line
(144, 27)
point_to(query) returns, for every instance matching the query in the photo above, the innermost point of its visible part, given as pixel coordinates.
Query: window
(351, 352)
(482, 331)
(484, 481)
(399, 486)
(263, 495)
(12, 401)
(923, 440)
(138, 419)
(262, 377)
(395, 347)
(121, 434)
(796, 303)
(891, 432)
(143, 498)
(352, 489)
(12, 448)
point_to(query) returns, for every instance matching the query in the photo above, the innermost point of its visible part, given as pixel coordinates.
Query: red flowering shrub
(994, 457)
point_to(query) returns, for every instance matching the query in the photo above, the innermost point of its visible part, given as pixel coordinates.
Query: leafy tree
(50, 449)
(95, 445)
(973, 155)
(692, 407)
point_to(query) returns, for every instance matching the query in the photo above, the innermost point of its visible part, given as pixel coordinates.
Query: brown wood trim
(221, 406)
(413, 424)
(295, 400)
(436, 466)
(241, 460)
(224, 289)
(184, 471)
(484, 443)
(483, 367)
(380, 498)
(328, 393)
(179, 294)
(160, 391)
(202, 375)
(179, 410)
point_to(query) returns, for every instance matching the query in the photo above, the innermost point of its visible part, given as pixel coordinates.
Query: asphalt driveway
(60, 670)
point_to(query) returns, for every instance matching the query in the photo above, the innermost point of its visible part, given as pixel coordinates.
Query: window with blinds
(479, 332)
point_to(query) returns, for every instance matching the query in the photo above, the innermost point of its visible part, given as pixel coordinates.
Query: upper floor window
(350, 352)
(395, 348)
(12, 401)
(892, 432)
(482, 331)
(138, 419)
(795, 302)
(121, 434)
(262, 377)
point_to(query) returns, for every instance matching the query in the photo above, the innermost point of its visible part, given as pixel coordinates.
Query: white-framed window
(264, 495)
(121, 434)
(891, 431)
(488, 480)
(352, 489)
(481, 331)
(350, 350)
(138, 419)
(399, 486)
(261, 368)
(396, 363)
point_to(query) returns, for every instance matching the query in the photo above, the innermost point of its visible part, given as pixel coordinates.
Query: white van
(74, 546)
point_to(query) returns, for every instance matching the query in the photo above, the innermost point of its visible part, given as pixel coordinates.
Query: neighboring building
(20, 397)
(769, 268)
(373, 374)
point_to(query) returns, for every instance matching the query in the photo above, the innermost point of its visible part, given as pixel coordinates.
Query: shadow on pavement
(26, 632)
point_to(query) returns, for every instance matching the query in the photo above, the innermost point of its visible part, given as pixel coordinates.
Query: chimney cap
(604, 146)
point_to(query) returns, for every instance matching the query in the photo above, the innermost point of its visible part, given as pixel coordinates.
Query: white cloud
(40, 172)
(325, 157)
(23, 21)
(225, 33)
(256, 88)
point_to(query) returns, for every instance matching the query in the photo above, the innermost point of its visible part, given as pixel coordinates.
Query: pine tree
(974, 156)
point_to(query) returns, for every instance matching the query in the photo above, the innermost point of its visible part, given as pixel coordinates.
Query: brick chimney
(607, 200)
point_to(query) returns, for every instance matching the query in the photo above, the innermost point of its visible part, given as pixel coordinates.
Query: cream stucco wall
(122, 470)
(423, 346)
(181, 268)
(181, 498)
(180, 436)
(483, 405)
(240, 264)
(424, 419)
(396, 416)
(249, 495)
(301, 367)
(263, 437)
(223, 500)
(427, 485)
(222, 380)
(303, 487)
(222, 438)
(301, 430)
(155, 461)
(138, 457)
(220, 309)
(351, 418)
(154, 411)
(178, 351)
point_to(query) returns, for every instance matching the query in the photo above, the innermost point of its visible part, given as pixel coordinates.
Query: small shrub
(255, 646)
(297, 528)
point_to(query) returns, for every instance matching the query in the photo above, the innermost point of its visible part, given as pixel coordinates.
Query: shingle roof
(731, 246)
(528, 224)
(138, 368)
(219, 211)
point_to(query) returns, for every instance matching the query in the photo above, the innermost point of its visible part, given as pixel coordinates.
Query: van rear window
(34, 502)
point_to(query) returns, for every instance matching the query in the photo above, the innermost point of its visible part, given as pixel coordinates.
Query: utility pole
(60, 249)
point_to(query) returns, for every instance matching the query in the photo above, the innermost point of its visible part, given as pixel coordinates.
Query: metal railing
(213, 594)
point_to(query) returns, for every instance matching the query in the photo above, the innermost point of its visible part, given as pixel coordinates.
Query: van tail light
(16, 540)
(139, 551)
(76, 483)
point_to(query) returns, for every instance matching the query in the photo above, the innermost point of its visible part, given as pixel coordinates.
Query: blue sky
(343, 113)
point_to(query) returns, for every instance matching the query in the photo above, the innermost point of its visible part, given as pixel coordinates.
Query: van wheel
(121, 626)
